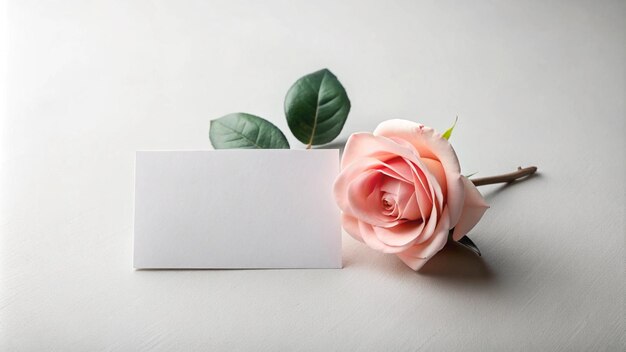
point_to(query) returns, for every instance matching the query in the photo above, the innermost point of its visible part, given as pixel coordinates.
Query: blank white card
(236, 209)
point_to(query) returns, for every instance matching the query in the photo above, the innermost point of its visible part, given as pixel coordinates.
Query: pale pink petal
(418, 254)
(473, 209)
(399, 166)
(436, 169)
(351, 225)
(349, 174)
(366, 145)
(369, 237)
(390, 173)
(394, 212)
(430, 144)
(391, 185)
(411, 210)
(364, 199)
(431, 224)
(405, 192)
(437, 240)
(401, 236)
(426, 193)
(364, 196)
(427, 180)
(399, 192)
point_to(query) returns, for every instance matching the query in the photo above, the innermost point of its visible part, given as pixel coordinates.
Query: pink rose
(401, 191)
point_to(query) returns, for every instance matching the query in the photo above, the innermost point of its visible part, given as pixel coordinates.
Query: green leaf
(469, 244)
(448, 133)
(465, 242)
(317, 107)
(245, 131)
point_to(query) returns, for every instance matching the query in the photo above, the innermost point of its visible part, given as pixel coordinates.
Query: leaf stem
(505, 178)
(308, 146)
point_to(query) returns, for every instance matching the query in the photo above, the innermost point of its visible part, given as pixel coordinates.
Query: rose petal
(400, 191)
(398, 166)
(351, 225)
(437, 240)
(430, 144)
(362, 145)
(401, 236)
(423, 190)
(393, 212)
(411, 210)
(369, 237)
(390, 173)
(417, 255)
(391, 186)
(473, 209)
(368, 233)
(436, 169)
(431, 225)
(364, 199)
(412, 262)
(428, 181)
(349, 174)
(364, 195)
(366, 145)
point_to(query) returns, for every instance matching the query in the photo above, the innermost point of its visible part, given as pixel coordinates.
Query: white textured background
(533, 82)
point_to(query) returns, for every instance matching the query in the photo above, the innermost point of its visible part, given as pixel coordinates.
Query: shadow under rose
(339, 143)
(459, 264)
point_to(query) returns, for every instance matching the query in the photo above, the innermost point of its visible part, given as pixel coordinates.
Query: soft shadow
(494, 192)
(459, 264)
(225, 269)
(337, 144)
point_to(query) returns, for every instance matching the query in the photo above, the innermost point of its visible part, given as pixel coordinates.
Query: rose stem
(506, 178)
